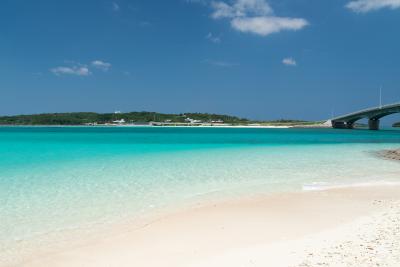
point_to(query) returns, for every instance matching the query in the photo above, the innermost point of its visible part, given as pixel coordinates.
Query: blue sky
(261, 59)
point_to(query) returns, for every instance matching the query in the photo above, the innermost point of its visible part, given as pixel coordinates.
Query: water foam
(321, 186)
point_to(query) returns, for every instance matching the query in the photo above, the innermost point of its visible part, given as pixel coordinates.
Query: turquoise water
(58, 178)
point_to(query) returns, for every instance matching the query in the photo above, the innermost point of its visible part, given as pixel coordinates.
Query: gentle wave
(320, 186)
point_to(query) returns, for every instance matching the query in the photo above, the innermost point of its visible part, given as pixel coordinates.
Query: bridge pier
(338, 125)
(350, 125)
(373, 124)
(342, 125)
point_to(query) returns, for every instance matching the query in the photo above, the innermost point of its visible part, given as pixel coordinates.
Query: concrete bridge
(372, 114)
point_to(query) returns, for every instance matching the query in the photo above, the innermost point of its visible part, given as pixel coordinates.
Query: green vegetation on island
(92, 118)
(83, 118)
(397, 124)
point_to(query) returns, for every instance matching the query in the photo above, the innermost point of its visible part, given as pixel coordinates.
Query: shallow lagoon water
(58, 178)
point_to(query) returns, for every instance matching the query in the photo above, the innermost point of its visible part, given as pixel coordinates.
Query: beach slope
(340, 227)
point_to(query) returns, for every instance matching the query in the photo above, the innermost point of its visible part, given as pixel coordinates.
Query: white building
(192, 120)
(121, 121)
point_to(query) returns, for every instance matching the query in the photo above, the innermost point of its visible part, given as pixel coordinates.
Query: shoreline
(153, 126)
(223, 233)
(310, 126)
(180, 126)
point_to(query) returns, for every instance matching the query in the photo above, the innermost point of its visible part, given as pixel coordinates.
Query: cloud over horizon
(78, 69)
(74, 70)
(255, 16)
(365, 6)
(104, 66)
(289, 61)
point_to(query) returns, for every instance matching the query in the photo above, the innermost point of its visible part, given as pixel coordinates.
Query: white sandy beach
(340, 227)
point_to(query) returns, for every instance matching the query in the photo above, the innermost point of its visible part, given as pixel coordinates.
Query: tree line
(82, 118)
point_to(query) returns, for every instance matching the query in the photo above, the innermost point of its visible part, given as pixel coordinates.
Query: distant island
(397, 124)
(142, 118)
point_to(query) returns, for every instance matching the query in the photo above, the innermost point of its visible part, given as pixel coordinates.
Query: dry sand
(341, 227)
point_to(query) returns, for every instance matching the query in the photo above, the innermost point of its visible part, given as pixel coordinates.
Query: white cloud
(115, 6)
(104, 66)
(212, 38)
(253, 7)
(78, 69)
(74, 70)
(240, 8)
(289, 61)
(267, 25)
(255, 16)
(364, 6)
(222, 10)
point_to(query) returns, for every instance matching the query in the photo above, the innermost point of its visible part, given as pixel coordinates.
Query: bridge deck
(367, 111)
(373, 114)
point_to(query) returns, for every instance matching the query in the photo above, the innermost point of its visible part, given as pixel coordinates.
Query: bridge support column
(338, 124)
(373, 124)
(349, 125)
(342, 125)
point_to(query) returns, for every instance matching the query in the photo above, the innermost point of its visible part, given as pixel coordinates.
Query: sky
(259, 59)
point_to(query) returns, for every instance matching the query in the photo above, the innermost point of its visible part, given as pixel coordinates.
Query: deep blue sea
(57, 178)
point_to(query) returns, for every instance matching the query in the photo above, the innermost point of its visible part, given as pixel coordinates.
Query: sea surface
(56, 179)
